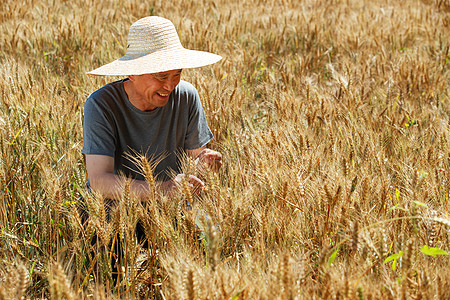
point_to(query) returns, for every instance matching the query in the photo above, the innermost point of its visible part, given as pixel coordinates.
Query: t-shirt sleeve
(198, 133)
(98, 130)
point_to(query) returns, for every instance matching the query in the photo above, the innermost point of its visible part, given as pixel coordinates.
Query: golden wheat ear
(59, 283)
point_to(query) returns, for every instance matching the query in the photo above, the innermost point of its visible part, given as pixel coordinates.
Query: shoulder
(186, 94)
(110, 95)
(108, 90)
(185, 87)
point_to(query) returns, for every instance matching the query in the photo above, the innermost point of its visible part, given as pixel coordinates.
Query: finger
(209, 153)
(215, 161)
(195, 185)
(178, 179)
(214, 156)
(217, 165)
(195, 181)
(203, 153)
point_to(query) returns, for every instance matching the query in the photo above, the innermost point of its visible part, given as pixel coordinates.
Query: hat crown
(154, 46)
(152, 34)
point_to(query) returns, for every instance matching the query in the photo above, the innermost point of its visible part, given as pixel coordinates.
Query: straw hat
(154, 46)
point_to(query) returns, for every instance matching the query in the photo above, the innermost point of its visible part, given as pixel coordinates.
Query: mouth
(163, 95)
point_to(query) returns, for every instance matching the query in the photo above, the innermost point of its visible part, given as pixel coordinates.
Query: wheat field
(333, 117)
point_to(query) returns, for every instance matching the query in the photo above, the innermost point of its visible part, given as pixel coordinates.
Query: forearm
(103, 181)
(112, 186)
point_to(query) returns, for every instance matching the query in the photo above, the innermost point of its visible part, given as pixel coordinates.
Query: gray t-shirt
(113, 126)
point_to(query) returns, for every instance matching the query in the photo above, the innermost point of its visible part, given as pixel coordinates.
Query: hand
(195, 185)
(210, 157)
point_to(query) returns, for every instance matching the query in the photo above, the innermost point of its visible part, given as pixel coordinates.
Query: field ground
(333, 117)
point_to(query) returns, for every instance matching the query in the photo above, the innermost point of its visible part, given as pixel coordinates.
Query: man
(152, 112)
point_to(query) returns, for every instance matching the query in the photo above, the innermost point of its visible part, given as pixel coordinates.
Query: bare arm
(102, 179)
(100, 170)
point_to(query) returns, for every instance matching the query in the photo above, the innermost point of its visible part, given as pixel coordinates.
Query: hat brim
(160, 61)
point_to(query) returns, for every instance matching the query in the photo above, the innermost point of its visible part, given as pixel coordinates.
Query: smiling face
(149, 91)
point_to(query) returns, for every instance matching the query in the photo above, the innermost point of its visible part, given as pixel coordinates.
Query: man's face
(153, 90)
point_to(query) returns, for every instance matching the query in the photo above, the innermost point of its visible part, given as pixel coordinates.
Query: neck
(134, 98)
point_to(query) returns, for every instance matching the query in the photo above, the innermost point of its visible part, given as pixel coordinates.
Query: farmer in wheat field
(151, 112)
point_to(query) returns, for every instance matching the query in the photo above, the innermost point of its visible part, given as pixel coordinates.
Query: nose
(170, 83)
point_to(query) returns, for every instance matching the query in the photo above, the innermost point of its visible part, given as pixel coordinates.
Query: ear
(131, 77)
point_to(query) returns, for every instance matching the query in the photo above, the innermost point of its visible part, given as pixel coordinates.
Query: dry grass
(333, 118)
